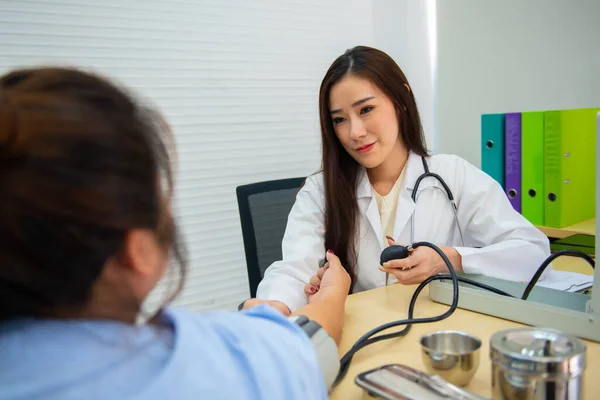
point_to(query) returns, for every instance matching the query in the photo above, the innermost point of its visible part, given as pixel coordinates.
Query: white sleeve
(303, 247)
(504, 244)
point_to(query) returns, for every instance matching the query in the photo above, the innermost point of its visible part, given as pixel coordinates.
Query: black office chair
(264, 208)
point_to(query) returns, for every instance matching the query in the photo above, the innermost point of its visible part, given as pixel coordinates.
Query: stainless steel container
(453, 355)
(536, 363)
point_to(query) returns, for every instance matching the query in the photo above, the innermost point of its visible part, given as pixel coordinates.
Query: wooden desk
(366, 310)
(586, 227)
(572, 264)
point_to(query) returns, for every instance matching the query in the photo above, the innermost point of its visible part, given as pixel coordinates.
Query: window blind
(238, 82)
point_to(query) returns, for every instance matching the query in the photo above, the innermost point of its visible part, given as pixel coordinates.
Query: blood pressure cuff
(325, 348)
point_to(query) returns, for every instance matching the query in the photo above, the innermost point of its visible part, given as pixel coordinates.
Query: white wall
(238, 81)
(405, 29)
(511, 56)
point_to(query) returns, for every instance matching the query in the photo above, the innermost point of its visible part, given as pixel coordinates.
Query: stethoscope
(415, 194)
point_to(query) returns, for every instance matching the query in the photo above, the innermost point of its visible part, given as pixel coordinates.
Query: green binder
(532, 167)
(584, 243)
(570, 166)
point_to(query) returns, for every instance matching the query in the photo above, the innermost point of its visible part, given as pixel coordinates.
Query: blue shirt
(256, 354)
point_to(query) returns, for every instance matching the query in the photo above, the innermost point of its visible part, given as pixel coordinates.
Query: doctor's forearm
(454, 257)
(511, 259)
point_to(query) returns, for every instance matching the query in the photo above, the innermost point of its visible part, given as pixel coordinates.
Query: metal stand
(567, 311)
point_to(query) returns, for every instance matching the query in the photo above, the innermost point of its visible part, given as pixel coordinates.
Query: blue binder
(492, 146)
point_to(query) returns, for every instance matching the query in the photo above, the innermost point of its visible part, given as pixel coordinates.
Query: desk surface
(585, 227)
(572, 264)
(366, 310)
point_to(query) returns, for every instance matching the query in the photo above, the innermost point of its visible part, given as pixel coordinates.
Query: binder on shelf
(584, 243)
(532, 164)
(492, 146)
(569, 166)
(512, 168)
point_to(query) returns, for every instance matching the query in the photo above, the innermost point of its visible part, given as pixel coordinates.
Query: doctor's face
(365, 121)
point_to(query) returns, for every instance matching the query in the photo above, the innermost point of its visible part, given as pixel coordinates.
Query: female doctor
(370, 195)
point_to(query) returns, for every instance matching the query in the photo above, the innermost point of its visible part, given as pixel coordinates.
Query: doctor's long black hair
(340, 170)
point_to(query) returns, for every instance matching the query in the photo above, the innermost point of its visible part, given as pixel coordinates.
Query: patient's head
(85, 185)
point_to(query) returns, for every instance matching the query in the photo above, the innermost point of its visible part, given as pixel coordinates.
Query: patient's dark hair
(81, 165)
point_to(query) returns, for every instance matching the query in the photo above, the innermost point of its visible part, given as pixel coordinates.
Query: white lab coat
(499, 241)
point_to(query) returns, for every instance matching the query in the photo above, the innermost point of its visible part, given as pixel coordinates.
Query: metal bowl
(453, 355)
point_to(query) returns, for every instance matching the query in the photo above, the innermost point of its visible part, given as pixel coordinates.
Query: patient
(86, 232)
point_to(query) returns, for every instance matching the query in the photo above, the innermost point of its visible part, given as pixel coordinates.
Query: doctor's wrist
(454, 257)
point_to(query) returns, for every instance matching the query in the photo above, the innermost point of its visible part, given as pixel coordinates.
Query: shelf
(585, 227)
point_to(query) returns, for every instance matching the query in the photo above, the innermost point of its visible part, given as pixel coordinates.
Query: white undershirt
(387, 206)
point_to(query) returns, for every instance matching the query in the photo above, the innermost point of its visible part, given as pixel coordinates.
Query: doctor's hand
(421, 263)
(330, 280)
(278, 305)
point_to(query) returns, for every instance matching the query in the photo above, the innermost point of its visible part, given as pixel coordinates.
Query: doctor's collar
(413, 169)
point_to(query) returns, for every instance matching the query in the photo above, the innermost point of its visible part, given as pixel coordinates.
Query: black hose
(547, 261)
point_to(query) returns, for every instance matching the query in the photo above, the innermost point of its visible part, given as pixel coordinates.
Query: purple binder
(512, 141)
